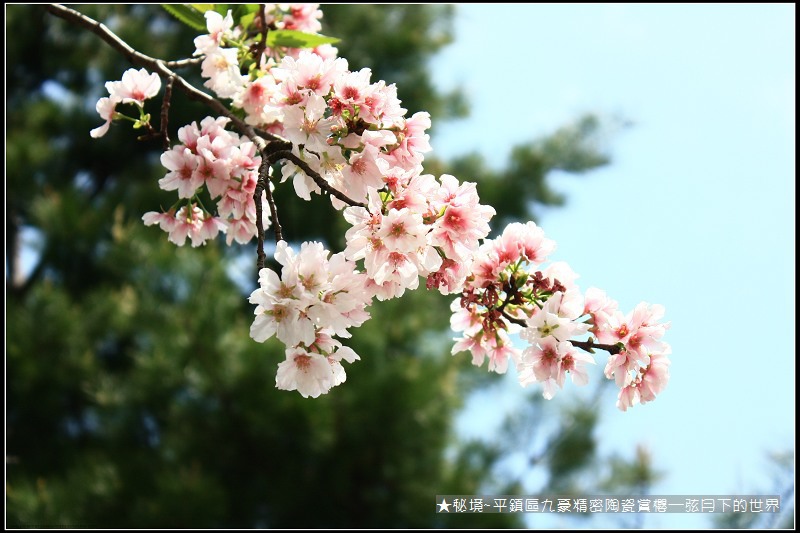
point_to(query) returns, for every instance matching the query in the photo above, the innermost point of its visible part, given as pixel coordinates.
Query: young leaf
(222, 9)
(202, 8)
(297, 39)
(188, 15)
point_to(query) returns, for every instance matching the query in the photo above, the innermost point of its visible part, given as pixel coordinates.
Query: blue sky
(696, 211)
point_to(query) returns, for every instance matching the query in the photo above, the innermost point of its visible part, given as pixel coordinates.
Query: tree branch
(165, 112)
(321, 183)
(159, 66)
(263, 186)
(517, 321)
(180, 63)
(590, 346)
(272, 147)
(587, 346)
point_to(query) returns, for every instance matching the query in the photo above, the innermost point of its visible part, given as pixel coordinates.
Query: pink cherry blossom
(106, 108)
(362, 172)
(135, 87)
(655, 376)
(413, 141)
(541, 361)
(628, 397)
(351, 88)
(181, 163)
(307, 124)
(303, 17)
(166, 221)
(221, 67)
(255, 99)
(355, 136)
(308, 373)
(188, 223)
(218, 28)
(573, 362)
(600, 307)
(311, 71)
(241, 230)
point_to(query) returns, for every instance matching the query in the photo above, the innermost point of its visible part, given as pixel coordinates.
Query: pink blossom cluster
(641, 369)
(224, 55)
(508, 293)
(227, 166)
(337, 132)
(315, 298)
(220, 63)
(349, 131)
(135, 87)
(341, 124)
(417, 227)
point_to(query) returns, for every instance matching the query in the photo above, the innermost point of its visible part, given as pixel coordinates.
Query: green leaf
(297, 39)
(188, 15)
(244, 14)
(247, 20)
(202, 8)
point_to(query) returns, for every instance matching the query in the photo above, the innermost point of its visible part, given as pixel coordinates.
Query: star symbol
(444, 506)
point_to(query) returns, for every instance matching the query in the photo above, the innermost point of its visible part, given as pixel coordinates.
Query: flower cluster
(225, 56)
(227, 166)
(339, 133)
(315, 298)
(641, 368)
(507, 293)
(417, 227)
(135, 87)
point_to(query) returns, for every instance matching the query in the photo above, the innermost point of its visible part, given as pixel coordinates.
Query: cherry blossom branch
(321, 183)
(517, 321)
(159, 66)
(277, 150)
(587, 346)
(180, 63)
(590, 345)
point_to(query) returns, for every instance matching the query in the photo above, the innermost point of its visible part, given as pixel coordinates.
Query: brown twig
(590, 346)
(587, 346)
(262, 45)
(165, 112)
(321, 183)
(263, 186)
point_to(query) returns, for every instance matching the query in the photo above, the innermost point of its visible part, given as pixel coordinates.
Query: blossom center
(302, 362)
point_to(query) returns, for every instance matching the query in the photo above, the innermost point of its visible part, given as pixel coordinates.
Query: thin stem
(590, 346)
(587, 346)
(262, 45)
(261, 256)
(263, 185)
(165, 112)
(321, 183)
(180, 63)
(512, 286)
(517, 321)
